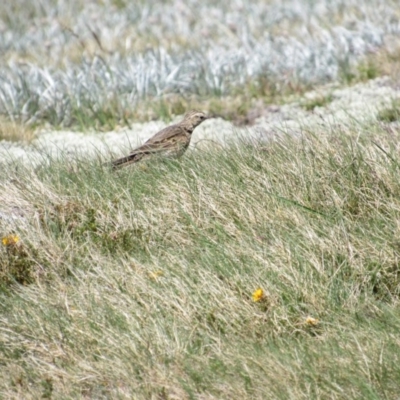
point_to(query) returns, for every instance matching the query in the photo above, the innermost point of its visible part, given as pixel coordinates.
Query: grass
(391, 113)
(15, 131)
(83, 67)
(139, 284)
(322, 100)
(90, 110)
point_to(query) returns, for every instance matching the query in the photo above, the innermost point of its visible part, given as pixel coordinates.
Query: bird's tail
(124, 161)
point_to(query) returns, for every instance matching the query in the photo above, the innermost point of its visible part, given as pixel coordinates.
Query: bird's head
(194, 118)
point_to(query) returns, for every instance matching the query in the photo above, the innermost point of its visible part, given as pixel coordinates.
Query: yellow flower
(310, 321)
(258, 295)
(10, 240)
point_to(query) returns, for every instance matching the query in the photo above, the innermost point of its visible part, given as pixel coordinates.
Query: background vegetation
(100, 64)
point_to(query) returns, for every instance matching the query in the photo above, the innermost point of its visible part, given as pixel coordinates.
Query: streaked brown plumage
(170, 141)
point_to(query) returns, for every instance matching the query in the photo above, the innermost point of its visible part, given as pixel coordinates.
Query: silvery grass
(139, 284)
(63, 60)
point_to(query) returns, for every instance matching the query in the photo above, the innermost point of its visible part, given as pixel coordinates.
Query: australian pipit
(170, 141)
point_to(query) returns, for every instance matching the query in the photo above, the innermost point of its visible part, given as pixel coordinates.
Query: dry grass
(15, 131)
(139, 284)
(387, 61)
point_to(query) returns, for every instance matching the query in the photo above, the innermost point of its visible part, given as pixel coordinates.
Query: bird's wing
(161, 140)
(166, 133)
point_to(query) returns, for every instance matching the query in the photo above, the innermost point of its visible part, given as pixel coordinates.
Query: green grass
(391, 113)
(318, 101)
(139, 283)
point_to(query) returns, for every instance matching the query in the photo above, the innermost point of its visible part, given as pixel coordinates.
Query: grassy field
(97, 65)
(143, 283)
(258, 271)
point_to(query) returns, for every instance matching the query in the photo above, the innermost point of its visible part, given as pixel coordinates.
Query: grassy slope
(138, 284)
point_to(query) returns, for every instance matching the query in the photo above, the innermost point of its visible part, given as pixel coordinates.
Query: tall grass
(138, 284)
(97, 64)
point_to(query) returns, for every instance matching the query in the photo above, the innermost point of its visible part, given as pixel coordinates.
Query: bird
(170, 141)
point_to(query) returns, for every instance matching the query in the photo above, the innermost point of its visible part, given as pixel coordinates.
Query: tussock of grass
(143, 279)
(390, 114)
(15, 131)
(310, 104)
